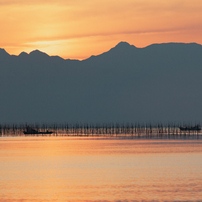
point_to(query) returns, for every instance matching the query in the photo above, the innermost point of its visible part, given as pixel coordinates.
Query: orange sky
(77, 29)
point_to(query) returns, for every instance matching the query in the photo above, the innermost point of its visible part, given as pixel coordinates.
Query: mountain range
(158, 83)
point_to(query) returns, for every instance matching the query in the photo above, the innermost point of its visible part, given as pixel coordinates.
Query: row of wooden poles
(110, 129)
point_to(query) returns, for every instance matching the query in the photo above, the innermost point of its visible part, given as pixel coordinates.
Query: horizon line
(35, 50)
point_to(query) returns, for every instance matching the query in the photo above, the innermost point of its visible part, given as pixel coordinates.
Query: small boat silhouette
(191, 128)
(29, 130)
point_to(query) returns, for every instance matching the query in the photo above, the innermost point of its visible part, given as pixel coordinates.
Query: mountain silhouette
(158, 83)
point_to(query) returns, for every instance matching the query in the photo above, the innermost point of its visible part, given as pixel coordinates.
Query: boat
(33, 131)
(191, 128)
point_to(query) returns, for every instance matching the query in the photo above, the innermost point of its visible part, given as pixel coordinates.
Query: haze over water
(97, 169)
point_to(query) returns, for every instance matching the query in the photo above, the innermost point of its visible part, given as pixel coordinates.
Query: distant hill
(158, 83)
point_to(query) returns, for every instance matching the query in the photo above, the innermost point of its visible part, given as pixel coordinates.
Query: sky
(77, 29)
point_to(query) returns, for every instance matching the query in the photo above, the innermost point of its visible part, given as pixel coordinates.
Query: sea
(98, 169)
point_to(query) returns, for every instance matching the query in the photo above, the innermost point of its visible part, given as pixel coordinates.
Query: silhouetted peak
(37, 53)
(23, 54)
(123, 44)
(122, 48)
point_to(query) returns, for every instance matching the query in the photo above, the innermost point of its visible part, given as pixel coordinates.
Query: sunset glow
(78, 29)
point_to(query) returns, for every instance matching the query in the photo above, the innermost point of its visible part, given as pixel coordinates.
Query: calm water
(86, 169)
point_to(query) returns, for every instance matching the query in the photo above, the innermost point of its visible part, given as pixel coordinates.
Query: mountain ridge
(125, 84)
(120, 46)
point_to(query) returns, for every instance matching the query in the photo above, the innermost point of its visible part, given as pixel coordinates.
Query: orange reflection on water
(90, 169)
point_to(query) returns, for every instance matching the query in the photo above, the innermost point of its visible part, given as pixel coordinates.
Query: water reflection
(84, 169)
